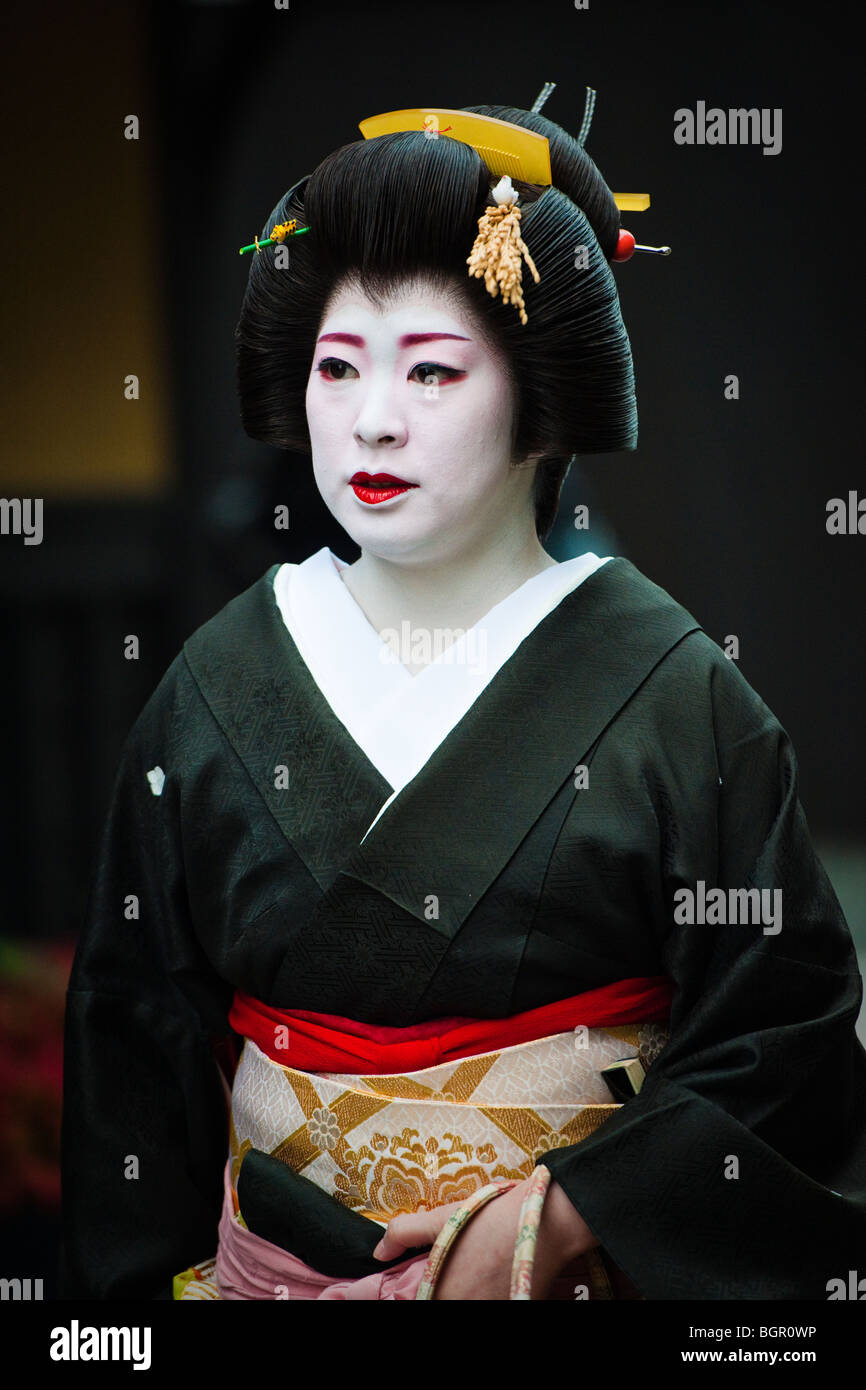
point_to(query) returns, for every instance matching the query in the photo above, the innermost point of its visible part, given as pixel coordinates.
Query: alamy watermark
(737, 126)
(76, 1343)
(853, 1288)
(729, 907)
(20, 1290)
(22, 516)
(420, 646)
(846, 517)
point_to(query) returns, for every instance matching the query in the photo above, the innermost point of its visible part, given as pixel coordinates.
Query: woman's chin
(388, 543)
(386, 530)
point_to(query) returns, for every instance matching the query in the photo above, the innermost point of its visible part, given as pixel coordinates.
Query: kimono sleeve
(739, 1170)
(145, 1129)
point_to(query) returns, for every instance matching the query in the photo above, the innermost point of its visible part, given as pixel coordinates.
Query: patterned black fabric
(492, 884)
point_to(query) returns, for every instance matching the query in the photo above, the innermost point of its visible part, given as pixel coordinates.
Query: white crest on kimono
(156, 778)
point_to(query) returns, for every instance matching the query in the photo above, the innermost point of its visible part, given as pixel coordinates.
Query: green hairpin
(279, 233)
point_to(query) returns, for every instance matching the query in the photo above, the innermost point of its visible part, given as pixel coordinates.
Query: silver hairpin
(542, 96)
(587, 116)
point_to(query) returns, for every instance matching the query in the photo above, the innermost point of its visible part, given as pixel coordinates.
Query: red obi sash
(326, 1042)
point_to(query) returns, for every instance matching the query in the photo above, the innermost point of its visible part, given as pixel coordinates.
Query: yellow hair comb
(505, 148)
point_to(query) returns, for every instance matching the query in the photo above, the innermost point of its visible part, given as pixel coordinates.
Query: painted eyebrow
(408, 339)
(352, 339)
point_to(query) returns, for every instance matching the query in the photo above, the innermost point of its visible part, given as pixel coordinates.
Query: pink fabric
(249, 1267)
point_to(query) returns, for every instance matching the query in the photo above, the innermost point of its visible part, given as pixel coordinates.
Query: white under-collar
(398, 719)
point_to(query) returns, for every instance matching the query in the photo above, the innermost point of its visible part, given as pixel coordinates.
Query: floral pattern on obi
(401, 1143)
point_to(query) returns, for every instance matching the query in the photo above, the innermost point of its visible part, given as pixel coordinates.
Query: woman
(497, 864)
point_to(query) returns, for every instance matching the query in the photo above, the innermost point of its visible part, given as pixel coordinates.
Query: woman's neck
(452, 593)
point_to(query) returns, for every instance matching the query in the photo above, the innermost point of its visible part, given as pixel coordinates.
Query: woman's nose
(380, 422)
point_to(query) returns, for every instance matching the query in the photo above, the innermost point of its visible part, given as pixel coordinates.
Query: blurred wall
(84, 301)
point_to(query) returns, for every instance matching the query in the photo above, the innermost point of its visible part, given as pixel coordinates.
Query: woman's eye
(425, 370)
(335, 369)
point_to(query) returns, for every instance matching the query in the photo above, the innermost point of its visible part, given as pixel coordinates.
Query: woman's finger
(411, 1229)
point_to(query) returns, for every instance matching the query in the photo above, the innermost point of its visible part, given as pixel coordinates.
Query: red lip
(378, 487)
(379, 480)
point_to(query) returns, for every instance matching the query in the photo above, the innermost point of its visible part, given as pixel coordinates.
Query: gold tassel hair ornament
(499, 250)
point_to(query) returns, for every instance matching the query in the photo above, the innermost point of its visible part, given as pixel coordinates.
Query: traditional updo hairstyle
(402, 205)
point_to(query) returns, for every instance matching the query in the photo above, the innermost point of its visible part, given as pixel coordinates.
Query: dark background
(121, 256)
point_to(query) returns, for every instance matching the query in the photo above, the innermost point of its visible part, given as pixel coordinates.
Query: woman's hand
(478, 1265)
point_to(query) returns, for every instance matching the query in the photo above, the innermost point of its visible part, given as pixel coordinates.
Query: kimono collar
(487, 783)
(398, 719)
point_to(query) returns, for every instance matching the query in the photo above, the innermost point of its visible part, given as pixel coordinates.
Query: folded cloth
(248, 1267)
(284, 1207)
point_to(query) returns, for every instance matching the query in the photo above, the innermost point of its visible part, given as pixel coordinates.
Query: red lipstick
(378, 487)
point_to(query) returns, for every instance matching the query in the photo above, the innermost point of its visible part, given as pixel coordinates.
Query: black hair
(405, 205)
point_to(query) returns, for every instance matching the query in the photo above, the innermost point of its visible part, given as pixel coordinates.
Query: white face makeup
(412, 391)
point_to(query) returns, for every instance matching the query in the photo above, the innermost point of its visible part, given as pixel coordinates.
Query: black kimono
(738, 1171)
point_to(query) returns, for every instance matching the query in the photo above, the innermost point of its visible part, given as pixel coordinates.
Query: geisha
(407, 1011)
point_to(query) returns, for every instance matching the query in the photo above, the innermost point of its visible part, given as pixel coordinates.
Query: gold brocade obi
(383, 1145)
